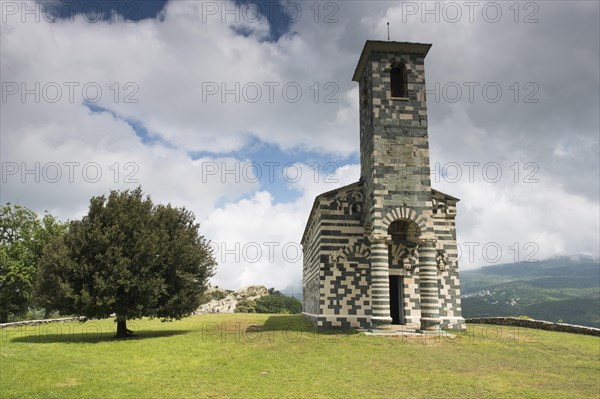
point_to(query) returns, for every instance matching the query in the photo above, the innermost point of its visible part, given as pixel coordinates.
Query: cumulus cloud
(193, 79)
(189, 90)
(257, 240)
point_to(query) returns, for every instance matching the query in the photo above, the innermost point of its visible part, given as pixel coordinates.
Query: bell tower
(394, 154)
(394, 145)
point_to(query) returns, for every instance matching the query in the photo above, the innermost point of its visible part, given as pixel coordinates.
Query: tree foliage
(275, 302)
(278, 303)
(245, 306)
(130, 258)
(22, 240)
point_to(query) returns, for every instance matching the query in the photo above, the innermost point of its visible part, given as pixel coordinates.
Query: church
(381, 253)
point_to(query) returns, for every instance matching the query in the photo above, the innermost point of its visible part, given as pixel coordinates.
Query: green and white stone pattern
(349, 250)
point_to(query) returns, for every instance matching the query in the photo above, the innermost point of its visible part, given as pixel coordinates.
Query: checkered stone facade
(391, 222)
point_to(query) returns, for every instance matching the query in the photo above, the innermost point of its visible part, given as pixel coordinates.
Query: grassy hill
(281, 356)
(562, 288)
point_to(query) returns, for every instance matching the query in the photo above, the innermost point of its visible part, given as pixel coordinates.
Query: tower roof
(372, 46)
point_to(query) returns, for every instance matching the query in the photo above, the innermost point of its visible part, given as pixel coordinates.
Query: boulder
(229, 303)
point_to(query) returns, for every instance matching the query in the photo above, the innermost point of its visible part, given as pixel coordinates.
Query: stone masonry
(383, 250)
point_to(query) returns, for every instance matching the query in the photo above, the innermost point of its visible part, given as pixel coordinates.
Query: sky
(244, 111)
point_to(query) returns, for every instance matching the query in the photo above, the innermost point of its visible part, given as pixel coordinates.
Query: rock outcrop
(229, 303)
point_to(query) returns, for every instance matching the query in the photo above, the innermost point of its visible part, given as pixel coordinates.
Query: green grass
(209, 356)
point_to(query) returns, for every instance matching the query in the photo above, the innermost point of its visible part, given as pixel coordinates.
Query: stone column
(380, 283)
(428, 287)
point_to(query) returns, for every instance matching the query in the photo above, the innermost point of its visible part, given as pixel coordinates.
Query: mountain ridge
(562, 288)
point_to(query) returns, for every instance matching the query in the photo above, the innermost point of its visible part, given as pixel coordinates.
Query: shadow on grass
(86, 336)
(299, 323)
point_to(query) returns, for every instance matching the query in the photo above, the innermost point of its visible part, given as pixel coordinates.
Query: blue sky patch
(140, 130)
(279, 17)
(104, 10)
(276, 170)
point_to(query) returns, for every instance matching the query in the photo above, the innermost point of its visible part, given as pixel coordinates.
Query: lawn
(264, 356)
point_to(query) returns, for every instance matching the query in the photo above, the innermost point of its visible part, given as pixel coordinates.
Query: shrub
(246, 306)
(278, 303)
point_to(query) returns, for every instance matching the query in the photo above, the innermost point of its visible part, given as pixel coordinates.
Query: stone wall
(311, 257)
(44, 321)
(538, 324)
(444, 229)
(336, 266)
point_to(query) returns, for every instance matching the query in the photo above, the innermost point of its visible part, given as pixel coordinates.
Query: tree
(292, 304)
(22, 239)
(276, 302)
(245, 306)
(50, 231)
(130, 258)
(17, 262)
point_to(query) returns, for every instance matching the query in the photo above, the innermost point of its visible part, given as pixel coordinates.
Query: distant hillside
(561, 288)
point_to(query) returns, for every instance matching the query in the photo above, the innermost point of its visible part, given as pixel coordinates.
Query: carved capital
(408, 256)
(385, 238)
(441, 259)
(427, 242)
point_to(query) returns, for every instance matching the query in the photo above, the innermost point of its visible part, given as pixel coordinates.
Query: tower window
(398, 80)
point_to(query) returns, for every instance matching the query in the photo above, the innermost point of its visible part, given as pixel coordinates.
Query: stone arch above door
(404, 212)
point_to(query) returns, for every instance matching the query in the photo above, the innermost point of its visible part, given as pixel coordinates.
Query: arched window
(404, 231)
(398, 80)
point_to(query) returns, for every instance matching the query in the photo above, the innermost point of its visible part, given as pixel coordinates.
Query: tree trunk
(3, 317)
(122, 331)
(47, 313)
